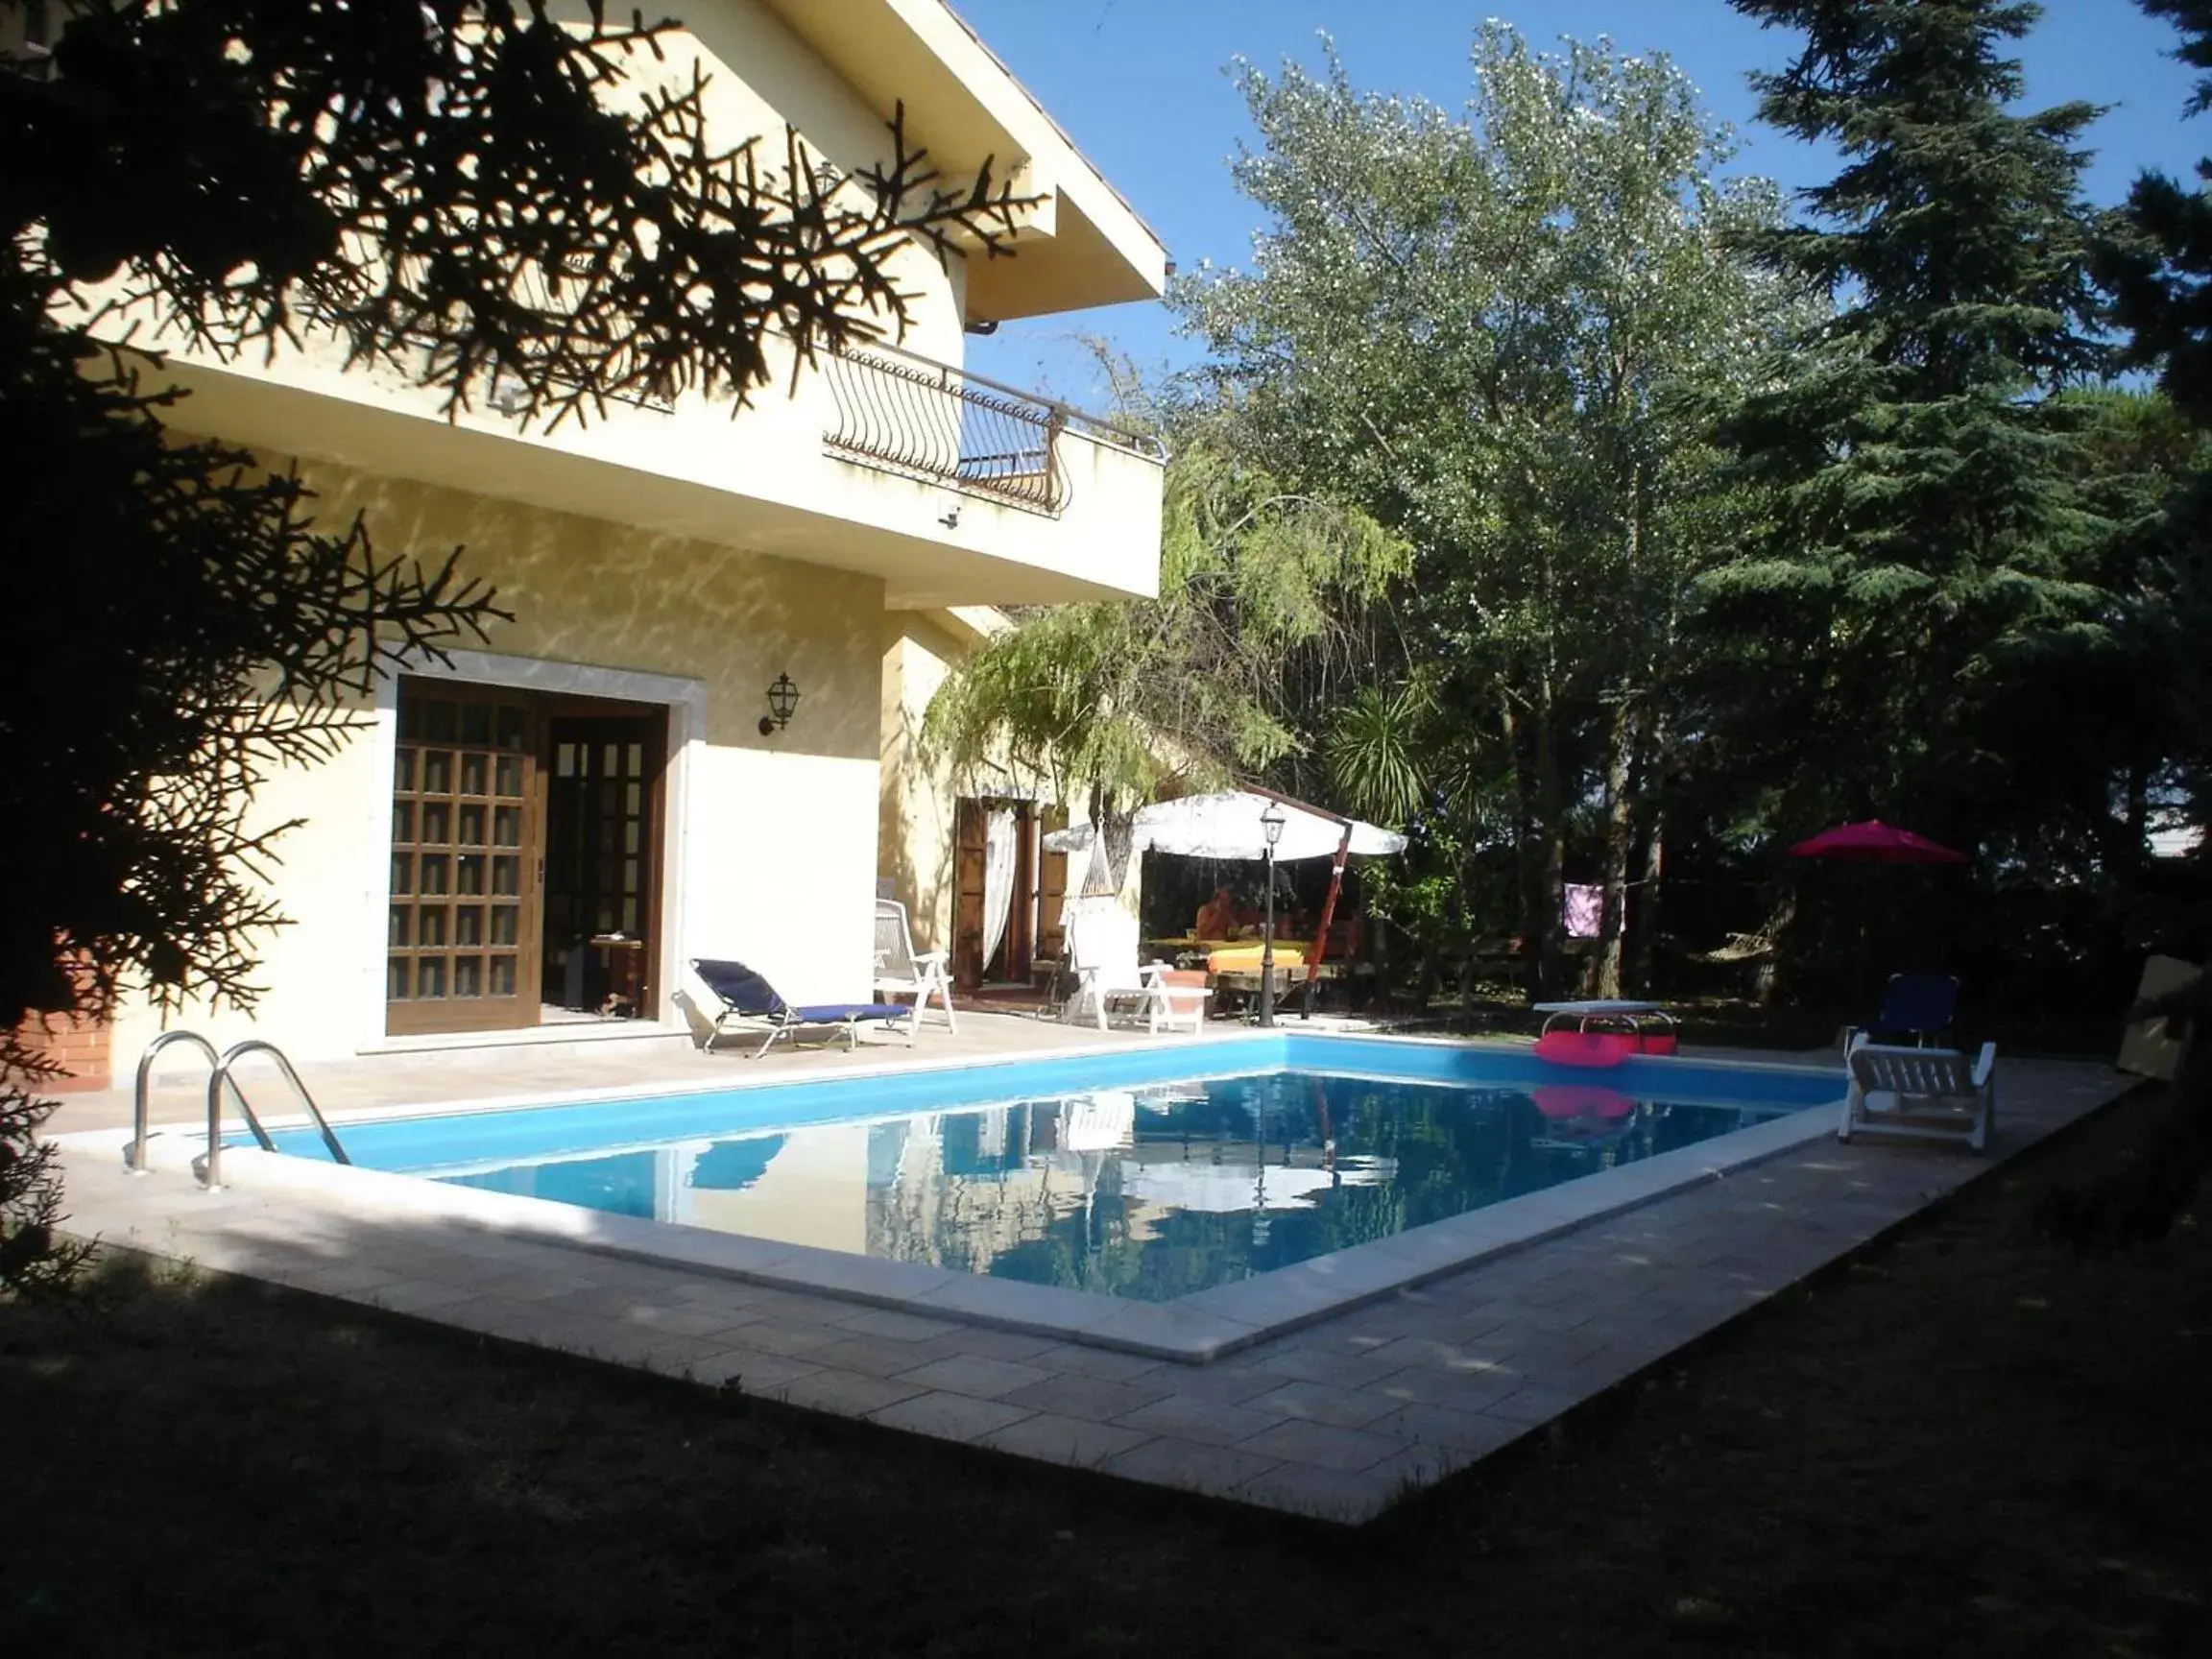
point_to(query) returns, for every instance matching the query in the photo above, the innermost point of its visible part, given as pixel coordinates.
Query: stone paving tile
(1188, 1417)
(691, 1319)
(975, 1374)
(1224, 1384)
(949, 1416)
(751, 1371)
(875, 1355)
(605, 1300)
(1079, 1359)
(1535, 1405)
(676, 1355)
(347, 1279)
(1347, 1450)
(492, 1316)
(1324, 1403)
(1465, 1390)
(1553, 1358)
(786, 1335)
(1474, 1433)
(1345, 1497)
(1433, 1353)
(1058, 1439)
(988, 1344)
(1095, 1399)
(416, 1295)
(1337, 1364)
(847, 1393)
(1166, 1461)
(532, 1283)
(898, 1325)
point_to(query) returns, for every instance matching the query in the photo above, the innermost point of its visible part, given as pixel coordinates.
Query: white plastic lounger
(1102, 953)
(1920, 1094)
(902, 971)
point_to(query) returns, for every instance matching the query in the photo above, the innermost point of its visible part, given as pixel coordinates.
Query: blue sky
(1140, 85)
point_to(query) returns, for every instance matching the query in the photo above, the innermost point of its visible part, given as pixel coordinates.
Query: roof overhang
(1082, 245)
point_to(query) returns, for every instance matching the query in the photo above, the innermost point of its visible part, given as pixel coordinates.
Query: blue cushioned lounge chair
(1916, 1006)
(750, 1002)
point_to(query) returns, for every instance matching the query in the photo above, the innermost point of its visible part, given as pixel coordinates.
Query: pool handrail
(212, 1175)
(139, 1107)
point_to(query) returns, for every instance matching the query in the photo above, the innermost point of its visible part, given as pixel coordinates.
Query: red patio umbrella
(1874, 842)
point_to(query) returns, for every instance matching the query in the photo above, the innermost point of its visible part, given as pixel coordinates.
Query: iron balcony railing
(930, 421)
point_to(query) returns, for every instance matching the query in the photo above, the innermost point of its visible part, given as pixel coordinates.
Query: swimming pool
(1146, 1175)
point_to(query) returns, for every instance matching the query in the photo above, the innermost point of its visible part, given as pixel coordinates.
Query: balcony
(952, 488)
(916, 418)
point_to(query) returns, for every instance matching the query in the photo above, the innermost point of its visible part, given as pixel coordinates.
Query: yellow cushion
(1245, 958)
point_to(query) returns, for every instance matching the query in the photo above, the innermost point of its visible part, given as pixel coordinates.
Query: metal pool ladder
(219, 1073)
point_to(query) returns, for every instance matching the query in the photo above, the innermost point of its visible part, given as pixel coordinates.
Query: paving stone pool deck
(1337, 1419)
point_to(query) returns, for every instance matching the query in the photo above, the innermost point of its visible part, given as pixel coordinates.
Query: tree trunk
(1525, 903)
(1644, 935)
(1619, 844)
(1644, 914)
(1551, 844)
(2138, 829)
(1767, 980)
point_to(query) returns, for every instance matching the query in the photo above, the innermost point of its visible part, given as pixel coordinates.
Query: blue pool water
(1147, 1174)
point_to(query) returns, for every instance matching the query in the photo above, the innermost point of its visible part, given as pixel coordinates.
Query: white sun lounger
(1920, 1094)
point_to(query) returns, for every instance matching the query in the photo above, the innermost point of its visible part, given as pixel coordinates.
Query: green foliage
(1932, 538)
(1499, 334)
(1379, 765)
(2156, 257)
(2157, 252)
(1125, 700)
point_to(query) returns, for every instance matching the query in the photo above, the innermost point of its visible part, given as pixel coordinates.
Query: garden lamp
(1271, 822)
(782, 698)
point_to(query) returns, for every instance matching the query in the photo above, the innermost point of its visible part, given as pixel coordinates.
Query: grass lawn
(1965, 1443)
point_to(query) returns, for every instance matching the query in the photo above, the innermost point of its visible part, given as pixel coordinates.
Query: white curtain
(998, 879)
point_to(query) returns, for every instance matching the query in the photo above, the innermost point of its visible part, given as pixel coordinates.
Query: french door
(467, 844)
(602, 863)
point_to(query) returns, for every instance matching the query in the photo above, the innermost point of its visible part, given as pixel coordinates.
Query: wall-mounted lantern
(782, 698)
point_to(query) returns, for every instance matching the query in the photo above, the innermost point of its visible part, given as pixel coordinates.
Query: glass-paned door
(602, 860)
(460, 952)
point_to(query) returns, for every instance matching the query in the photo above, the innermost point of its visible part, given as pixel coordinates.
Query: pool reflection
(1150, 1193)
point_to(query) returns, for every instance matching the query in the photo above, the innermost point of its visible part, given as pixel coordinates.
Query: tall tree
(1491, 332)
(2158, 253)
(458, 190)
(1931, 532)
(2157, 259)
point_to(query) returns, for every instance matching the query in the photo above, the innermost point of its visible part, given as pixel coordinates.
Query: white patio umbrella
(1227, 825)
(1231, 824)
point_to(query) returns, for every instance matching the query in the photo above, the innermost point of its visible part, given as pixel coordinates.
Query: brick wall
(83, 1049)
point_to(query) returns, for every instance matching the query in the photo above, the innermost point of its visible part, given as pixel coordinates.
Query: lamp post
(1271, 822)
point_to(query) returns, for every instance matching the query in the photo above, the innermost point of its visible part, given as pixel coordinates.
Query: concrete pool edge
(1196, 1329)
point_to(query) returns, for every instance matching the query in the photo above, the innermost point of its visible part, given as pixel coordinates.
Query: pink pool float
(1604, 1032)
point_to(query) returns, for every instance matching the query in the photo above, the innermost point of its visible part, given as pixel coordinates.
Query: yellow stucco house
(549, 826)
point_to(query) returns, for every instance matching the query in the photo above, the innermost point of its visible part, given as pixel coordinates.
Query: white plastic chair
(903, 970)
(1102, 955)
(1922, 1093)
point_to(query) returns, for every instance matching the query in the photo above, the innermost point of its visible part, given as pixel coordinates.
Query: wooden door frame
(1025, 926)
(685, 699)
